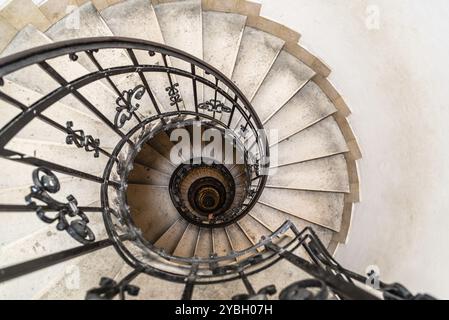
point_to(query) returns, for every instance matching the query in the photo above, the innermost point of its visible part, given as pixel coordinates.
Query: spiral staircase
(90, 102)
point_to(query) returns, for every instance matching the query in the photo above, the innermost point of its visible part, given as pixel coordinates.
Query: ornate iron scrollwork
(80, 140)
(262, 294)
(173, 93)
(126, 107)
(46, 183)
(311, 289)
(109, 289)
(214, 106)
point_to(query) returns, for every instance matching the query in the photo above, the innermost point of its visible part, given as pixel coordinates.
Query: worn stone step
(204, 245)
(144, 175)
(309, 106)
(153, 159)
(43, 242)
(285, 78)
(186, 34)
(221, 244)
(171, 238)
(327, 174)
(187, 244)
(258, 51)
(152, 210)
(322, 208)
(321, 140)
(125, 19)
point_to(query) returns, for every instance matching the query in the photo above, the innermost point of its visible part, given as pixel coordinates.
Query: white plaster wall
(396, 81)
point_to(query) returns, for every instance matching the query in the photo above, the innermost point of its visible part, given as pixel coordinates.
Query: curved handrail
(40, 55)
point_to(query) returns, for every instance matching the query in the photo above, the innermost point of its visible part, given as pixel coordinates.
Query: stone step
(309, 106)
(43, 242)
(187, 244)
(253, 229)
(321, 140)
(238, 240)
(204, 245)
(153, 159)
(14, 192)
(144, 175)
(7, 31)
(84, 275)
(152, 210)
(258, 51)
(137, 19)
(222, 34)
(221, 245)
(322, 208)
(286, 77)
(275, 218)
(97, 93)
(171, 238)
(37, 130)
(93, 25)
(328, 174)
(152, 288)
(187, 35)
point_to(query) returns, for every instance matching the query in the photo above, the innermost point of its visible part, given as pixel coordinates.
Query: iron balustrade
(226, 109)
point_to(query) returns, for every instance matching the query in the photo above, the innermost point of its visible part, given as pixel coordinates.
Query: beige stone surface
(274, 28)
(125, 20)
(187, 244)
(328, 174)
(55, 10)
(153, 211)
(258, 51)
(186, 35)
(286, 77)
(222, 34)
(7, 33)
(306, 108)
(170, 239)
(144, 175)
(321, 208)
(204, 246)
(20, 13)
(247, 8)
(321, 140)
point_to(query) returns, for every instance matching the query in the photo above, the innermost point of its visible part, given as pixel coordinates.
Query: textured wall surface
(389, 60)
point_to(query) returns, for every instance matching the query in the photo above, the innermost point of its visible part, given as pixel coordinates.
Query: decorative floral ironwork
(173, 93)
(127, 105)
(214, 106)
(311, 289)
(109, 289)
(46, 183)
(262, 294)
(78, 138)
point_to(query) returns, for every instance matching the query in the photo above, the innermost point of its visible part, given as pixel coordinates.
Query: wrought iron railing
(216, 101)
